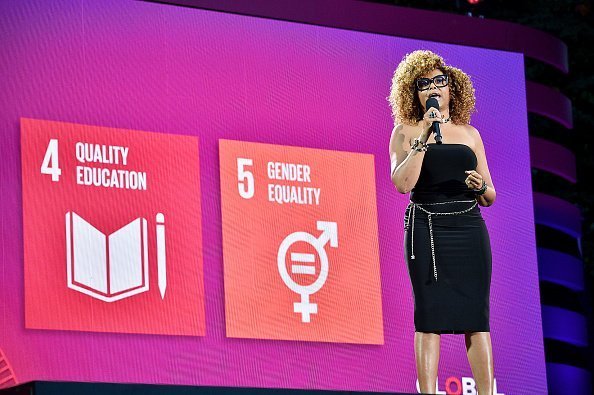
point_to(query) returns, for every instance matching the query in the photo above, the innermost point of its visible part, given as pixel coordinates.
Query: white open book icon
(111, 267)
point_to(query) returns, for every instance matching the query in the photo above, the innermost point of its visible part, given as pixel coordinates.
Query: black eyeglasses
(423, 84)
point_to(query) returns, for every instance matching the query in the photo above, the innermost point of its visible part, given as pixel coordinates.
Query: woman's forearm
(487, 198)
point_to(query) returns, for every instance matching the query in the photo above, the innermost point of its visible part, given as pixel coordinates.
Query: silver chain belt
(429, 214)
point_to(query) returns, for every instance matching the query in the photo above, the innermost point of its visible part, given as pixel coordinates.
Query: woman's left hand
(474, 179)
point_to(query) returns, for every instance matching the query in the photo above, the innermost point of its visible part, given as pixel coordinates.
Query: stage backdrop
(200, 198)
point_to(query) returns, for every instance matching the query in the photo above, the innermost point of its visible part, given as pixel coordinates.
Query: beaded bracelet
(481, 190)
(418, 142)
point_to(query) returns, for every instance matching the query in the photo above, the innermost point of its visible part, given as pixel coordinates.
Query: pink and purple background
(178, 70)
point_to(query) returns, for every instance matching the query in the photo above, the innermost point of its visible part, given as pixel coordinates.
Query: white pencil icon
(161, 257)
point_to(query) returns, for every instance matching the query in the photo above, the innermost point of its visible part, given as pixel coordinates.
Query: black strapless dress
(447, 246)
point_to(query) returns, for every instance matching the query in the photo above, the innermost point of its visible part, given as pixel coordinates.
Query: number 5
(50, 161)
(246, 190)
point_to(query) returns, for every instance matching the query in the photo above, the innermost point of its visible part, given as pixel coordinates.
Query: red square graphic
(112, 230)
(300, 244)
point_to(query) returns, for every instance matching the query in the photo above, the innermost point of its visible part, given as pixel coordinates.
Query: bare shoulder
(471, 130)
(401, 137)
(474, 135)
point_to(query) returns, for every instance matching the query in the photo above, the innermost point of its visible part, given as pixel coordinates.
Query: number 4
(50, 161)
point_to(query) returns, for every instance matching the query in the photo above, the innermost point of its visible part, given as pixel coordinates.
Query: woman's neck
(445, 112)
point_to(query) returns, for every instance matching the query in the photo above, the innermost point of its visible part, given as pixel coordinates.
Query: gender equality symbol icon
(329, 233)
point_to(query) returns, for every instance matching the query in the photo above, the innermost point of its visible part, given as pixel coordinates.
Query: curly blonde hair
(406, 107)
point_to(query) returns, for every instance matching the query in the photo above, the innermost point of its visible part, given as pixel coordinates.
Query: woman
(446, 242)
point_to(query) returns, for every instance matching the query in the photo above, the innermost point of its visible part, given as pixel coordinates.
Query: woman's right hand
(432, 115)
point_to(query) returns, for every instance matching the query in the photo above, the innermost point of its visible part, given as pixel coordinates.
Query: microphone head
(431, 102)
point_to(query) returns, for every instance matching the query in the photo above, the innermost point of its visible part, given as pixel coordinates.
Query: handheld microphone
(432, 102)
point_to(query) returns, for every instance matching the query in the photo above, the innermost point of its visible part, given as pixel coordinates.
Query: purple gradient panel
(560, 268)
(549, 102)
(178, 70)
(566, 379)
(565, 325)
(558, 214)
(542, 150)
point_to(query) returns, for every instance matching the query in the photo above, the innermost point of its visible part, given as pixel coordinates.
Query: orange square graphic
(112, 230)
(300, 244)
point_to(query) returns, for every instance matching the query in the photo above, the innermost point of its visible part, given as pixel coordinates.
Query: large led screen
(200, 198)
